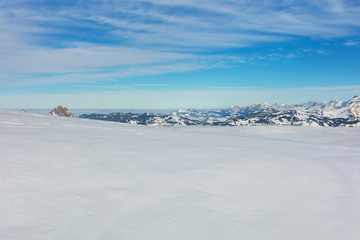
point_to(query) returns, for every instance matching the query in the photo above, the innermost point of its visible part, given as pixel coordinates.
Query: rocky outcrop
(61, 111)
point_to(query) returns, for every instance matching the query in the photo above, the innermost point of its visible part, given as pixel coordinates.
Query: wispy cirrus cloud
(101, 76)
(77, 41)
(351, 43)
(347, 87)
(82, 59)
(206, 23)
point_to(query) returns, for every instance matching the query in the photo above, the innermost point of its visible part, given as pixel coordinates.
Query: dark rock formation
(61, 111)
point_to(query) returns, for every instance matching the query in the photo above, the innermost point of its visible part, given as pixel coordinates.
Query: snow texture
(68, 178)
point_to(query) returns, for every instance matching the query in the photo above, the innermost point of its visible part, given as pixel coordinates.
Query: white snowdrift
(63, 178)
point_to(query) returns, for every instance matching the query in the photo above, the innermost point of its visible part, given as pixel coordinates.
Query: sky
(167, 54)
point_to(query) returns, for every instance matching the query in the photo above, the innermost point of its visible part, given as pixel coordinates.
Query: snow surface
(68, 178)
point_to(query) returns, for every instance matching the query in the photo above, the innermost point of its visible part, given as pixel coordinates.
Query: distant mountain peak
(61, 111)
(313, 113)
(354, 107)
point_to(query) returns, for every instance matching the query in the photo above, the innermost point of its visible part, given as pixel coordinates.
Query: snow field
(64, 178)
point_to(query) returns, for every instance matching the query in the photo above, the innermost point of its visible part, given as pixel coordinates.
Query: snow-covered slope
(69, 178)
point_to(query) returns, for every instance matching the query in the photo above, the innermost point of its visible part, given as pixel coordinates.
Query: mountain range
(313, 113)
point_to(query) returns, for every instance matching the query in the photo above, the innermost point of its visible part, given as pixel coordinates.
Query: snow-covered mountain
(318, 113)
(143, 119)
(332, 109)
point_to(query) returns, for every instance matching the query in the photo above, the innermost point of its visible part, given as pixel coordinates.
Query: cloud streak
(77, 41)
(82, 59)
(196, 24)
(351, 43)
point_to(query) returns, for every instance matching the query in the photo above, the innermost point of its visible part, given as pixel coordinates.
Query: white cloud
(81, 59)
(206, 23)
(349, 87)
(157, 37)
(351, 43)
(113, 74)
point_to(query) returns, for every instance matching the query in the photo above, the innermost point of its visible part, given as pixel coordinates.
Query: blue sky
(177, 54)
